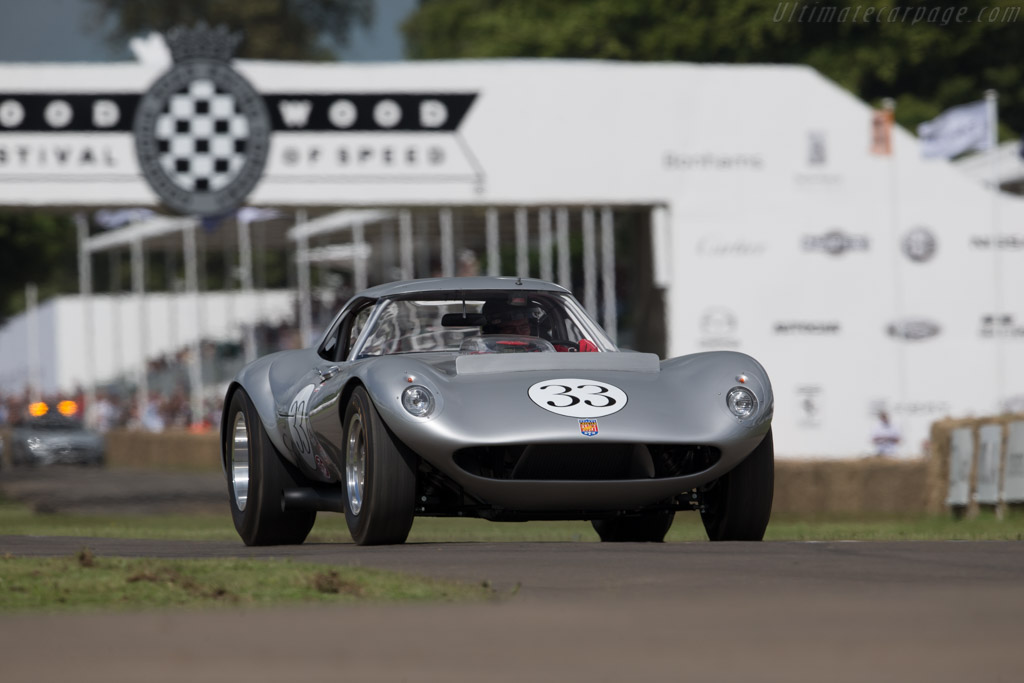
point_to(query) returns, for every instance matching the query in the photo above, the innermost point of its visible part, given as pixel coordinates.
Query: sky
(59, 31)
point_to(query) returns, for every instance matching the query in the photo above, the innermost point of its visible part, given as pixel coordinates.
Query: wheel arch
(346, 395)
(263, 402)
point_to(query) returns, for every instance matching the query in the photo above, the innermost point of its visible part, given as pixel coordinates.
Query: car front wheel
(257, 478)
(380, 477)
(737, 505)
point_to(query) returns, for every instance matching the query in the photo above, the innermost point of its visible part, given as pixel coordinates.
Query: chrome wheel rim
(355, 464)
(240, 461)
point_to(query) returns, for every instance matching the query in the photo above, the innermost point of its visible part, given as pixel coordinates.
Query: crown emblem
(202, 42)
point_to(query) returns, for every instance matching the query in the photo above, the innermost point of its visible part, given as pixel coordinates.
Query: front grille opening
(680, 461)
(585, 462)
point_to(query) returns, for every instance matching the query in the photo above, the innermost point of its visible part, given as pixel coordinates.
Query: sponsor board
(990, 452)
(1013, 473)
(960, 458)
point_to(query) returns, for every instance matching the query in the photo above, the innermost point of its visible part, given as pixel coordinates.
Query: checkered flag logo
(202, 131)
(201, 137)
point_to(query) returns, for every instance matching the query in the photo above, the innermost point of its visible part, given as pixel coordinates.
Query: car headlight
(741, 402)
(418, 401)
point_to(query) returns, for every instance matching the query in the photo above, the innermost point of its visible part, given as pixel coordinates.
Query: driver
(503, 317)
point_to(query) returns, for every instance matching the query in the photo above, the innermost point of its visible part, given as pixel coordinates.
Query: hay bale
(169, 450)
(862, 486)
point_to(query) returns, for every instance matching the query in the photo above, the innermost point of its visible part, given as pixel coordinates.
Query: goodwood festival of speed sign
(201, 131)
(202, 137)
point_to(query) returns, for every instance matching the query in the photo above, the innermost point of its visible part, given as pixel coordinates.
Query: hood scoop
(613, 361)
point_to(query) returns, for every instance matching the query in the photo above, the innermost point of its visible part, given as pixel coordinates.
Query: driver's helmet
(515, 316)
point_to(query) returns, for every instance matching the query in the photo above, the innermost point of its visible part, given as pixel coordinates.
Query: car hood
(486, 399)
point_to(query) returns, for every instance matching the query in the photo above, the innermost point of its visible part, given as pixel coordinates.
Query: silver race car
(54, 439)
(497, 398)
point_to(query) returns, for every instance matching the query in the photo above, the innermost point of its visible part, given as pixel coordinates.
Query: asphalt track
(915, 611)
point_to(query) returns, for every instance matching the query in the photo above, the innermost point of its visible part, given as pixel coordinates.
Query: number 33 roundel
(578, 397)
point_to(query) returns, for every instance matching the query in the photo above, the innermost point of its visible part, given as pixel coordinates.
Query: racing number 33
(568, 392)
(578, 397)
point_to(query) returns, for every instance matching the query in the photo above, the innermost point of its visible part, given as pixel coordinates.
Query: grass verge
(19, 519)
(88, 583)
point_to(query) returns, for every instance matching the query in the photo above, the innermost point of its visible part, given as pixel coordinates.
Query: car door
(314, 416)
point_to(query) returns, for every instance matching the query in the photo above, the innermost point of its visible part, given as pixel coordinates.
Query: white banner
(956, 131)
(961, 453)
(990, 451)
(1013, 478)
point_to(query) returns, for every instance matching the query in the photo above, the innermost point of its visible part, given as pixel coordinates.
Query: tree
(36, 248)
(273, 29)
(927, 55)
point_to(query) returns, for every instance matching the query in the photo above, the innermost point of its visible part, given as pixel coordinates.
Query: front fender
(255, 380)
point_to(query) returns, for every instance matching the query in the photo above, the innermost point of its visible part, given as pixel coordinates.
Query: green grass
(984, 527)
(88, 583)
(18, 519)
(85, 582)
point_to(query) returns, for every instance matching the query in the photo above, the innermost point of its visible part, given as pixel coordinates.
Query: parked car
(497, 398)
(54, 439)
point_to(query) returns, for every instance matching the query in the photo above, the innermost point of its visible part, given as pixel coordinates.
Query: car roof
(460, 284)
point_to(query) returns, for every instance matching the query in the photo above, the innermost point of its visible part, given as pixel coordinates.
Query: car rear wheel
(257, 478)
(380, 477)
(649, 528)
(737, 506)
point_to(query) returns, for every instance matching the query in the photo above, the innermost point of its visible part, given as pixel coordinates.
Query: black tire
(380, 494)
(649, 528)
(257, 501)
(738, 505)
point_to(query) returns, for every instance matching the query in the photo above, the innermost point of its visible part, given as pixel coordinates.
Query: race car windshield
(423, 323)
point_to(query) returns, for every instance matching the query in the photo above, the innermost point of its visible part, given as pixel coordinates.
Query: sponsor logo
(202, 133)
(588, 427)
(913, 329)
(817, 162)
(1002, 242)
(817, 151)
(912, 408)
(919, 245)
(813, 328)
(579, 398)
(1000, 325)
(835, 243)
(809, 399)
(710, 161)
(718, 326)
(714, 245)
